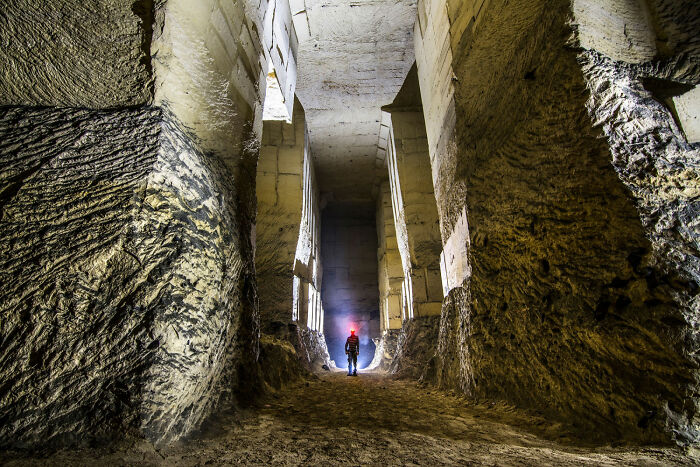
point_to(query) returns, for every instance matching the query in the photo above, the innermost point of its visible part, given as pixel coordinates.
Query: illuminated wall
(287, 256)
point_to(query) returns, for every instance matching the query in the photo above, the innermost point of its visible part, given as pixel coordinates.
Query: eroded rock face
(74, 342)
(124, 285)
(129, 300)
(207, 323)
(582, 256)
(279, 363)
(415, 349)
(71, 53)
(453, 353)
(633, 105)
(311, 348)
(385, 349)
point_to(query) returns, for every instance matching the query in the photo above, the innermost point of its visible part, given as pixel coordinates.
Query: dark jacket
(352, 345)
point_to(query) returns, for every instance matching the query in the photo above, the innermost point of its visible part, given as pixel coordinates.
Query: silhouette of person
(352, 350)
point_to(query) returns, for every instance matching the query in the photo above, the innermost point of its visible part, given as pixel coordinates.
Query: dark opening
(350, 290)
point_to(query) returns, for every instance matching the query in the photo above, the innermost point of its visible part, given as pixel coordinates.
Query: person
(352, 350)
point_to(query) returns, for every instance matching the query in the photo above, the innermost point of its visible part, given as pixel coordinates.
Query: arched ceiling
(353, 57)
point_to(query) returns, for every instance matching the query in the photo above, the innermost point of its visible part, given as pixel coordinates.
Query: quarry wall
(413, 200)
(566, 196)
(390, 274)
(288, 247)
(280, 193)
(129, 300)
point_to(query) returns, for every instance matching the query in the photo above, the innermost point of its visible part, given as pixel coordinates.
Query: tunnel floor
(371, 419)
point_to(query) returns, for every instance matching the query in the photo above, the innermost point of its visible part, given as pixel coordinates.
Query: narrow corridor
(199, 199)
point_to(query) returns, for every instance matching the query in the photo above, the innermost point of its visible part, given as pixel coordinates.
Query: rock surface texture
(400, 422)
(353, 57)
(281, 193)
(312, 349)
(385, 350)
(73, 54)
(128, 299)
(633, 104)
(575, 194)
(415, 349)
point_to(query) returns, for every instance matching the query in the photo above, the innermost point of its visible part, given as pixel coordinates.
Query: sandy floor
(369, 420)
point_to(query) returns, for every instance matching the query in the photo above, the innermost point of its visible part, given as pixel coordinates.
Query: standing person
(352, 350)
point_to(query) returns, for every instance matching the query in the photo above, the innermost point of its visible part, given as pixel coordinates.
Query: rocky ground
(371, 419)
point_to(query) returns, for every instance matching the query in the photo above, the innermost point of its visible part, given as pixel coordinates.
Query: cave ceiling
(353, 57)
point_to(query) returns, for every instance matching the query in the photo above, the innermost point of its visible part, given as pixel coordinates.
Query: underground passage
(209, 208)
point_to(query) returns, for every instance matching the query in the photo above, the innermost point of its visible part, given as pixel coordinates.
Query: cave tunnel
(199, 200)
(350, 291)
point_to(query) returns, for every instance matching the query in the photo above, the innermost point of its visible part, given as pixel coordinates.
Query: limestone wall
(127, 207)
(288, 248)
(283, 196)
(307, 261)
(433, 51)
(415, 210)
(390, 272)
(281, 44)
(565, 195)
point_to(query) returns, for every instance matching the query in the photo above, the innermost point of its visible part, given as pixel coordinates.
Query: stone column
(287, 258)
(281, 204)
(565, 188)
(129, 135)
(390, 269)
(417, 207)
(413, 201)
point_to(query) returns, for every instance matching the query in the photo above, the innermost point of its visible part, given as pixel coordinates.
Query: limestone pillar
(409, 161)
(129, 135)
(389, 259)
(565, 181)
(280, 190)
(288, 248)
